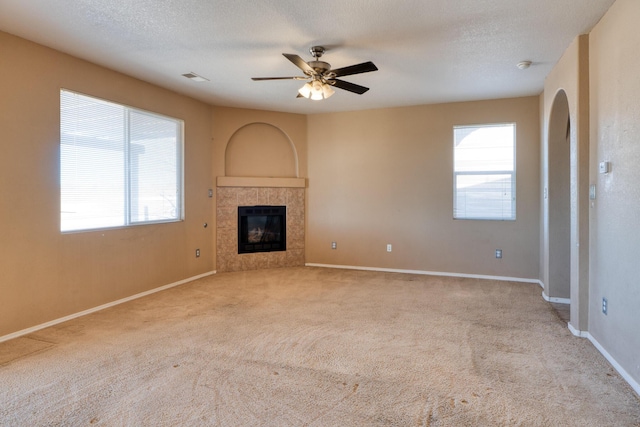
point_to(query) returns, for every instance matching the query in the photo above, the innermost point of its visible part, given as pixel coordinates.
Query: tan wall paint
(615, 216)
(45, 275)
(571, 74)
(385, 176)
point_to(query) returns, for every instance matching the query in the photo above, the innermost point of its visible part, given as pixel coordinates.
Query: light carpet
(316, 347)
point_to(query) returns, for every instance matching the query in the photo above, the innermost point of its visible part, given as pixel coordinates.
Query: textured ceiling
(427, 51)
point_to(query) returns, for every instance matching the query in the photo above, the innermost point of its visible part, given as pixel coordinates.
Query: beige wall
(45, 275)
(615, 216)
(385, 176)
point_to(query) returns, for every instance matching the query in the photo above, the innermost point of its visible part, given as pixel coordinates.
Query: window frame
(128, 220)
(512, 173)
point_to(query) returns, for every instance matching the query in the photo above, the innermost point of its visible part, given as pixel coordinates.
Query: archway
(558, 286)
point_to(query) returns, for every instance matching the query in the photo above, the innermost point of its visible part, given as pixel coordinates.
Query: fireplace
(262, 229)
(230, 197)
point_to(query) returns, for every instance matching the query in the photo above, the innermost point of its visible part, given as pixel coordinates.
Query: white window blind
(484, 172)
(118, 166)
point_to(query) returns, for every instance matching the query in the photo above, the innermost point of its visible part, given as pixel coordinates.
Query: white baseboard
(555, 299)
(632, 382)
(101, 307)
(576, 332)
(426, 273)
(623, 373)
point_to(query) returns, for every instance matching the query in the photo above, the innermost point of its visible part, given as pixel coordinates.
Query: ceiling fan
(321, 78)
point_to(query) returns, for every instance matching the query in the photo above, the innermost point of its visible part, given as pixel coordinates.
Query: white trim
(623, 373)
(555, 299)
(576, 332)
(425, 273)
(628, 378)
(101, 307)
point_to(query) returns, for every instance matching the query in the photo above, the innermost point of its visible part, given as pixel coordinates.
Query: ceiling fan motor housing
(319, 67)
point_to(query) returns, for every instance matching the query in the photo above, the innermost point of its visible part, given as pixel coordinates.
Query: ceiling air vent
(195, 77)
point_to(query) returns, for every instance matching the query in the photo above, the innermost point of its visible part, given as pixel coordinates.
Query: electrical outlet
(197, 253)
(334, 245)
(210, 192)
(388, 247)
(499, 253)
(605, 306)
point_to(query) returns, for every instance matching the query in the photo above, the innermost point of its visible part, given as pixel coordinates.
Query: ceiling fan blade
(365, 67)
(279, 78)
(351, 87)
(299, 62)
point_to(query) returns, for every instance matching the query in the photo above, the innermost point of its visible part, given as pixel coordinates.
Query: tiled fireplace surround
(229, 197)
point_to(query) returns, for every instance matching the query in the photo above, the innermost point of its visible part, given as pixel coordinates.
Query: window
(118, 166)
(484, 172)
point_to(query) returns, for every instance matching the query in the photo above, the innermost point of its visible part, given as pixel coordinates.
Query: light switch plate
(604, 167)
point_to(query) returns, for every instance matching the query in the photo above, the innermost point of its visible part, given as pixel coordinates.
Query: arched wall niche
(260, 150)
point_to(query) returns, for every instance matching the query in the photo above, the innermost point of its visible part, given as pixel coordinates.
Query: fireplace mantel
(249, 181)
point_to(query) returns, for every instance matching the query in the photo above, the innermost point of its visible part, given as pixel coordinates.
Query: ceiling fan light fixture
(327, 90)
(316, 92)
(306, 90)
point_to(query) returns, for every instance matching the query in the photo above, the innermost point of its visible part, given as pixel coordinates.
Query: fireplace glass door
(261, 229)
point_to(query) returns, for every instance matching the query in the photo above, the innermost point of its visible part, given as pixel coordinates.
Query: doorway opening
(558, 288)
